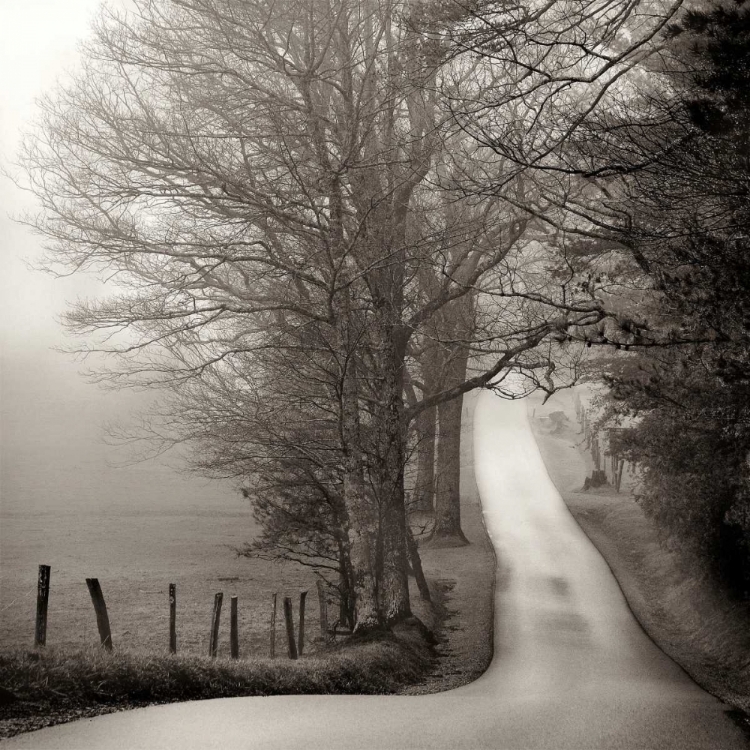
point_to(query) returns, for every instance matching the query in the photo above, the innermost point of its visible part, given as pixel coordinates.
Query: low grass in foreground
(60, 685)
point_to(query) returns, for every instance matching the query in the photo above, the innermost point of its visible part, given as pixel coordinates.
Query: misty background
(55, 466)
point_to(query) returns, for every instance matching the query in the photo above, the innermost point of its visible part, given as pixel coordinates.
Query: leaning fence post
(102, 618)
(234, 638)
(288, 618)
(42, 605)
(323, 603)
(302, 598)
(213, 645)
(172, 618)
(273, 627)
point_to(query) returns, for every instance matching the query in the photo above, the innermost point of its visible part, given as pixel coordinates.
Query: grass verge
(462, 583)
(61, 685)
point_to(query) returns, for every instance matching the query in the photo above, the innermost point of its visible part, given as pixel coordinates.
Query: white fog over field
(54, 464)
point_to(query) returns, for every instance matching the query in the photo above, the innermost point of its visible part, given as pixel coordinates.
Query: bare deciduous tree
(280, 188)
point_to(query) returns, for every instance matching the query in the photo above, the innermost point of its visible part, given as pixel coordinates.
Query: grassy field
(136, 556)
(700, 628)
(71, 500)
(136, 553)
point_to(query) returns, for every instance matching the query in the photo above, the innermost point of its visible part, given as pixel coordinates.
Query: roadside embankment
(694, 623)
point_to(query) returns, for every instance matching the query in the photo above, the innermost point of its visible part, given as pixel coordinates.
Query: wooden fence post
(618, 480)
(234, 638)
(213, 645)
(42, 605)
(288, 617)
(273, 628)
(172, 618)
(302, 598)
(102, 618)
(323, 604)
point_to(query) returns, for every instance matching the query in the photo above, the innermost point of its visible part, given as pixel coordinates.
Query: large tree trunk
(363, 538)
(426, 429)
(346, 590)
(447, 529)
(424, 487)
(362, 516)
(394, 581)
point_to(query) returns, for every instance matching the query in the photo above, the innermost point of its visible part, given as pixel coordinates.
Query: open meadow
(136, 555)
(68, 503)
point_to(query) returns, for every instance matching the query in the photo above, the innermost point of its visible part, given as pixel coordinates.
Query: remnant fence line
(273, 627)
(289, 620)
(172, 618)
(100, 608)
(213, 643)
(42, 606)
(234, 637)
(301, 640)
(295, 645)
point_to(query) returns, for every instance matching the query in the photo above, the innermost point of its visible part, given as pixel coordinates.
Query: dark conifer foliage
(691, 222)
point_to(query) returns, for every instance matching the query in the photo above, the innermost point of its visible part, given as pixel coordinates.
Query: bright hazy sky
(38, 43)
(52, 452)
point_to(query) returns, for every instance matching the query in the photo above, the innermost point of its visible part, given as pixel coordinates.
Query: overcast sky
(52, 422)
(38, 43)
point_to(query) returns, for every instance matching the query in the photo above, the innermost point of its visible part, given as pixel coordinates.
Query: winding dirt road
(572, 667)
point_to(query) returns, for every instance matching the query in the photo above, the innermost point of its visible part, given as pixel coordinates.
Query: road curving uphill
(572, 667)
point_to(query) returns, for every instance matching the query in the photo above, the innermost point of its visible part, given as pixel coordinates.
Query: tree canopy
(324, 221)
